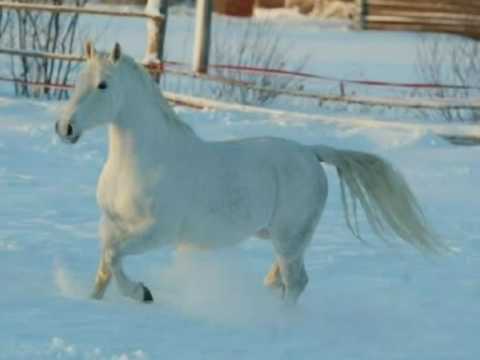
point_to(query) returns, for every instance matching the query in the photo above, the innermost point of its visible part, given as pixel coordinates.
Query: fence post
(361, 13)
(156, 33)
(202, 36)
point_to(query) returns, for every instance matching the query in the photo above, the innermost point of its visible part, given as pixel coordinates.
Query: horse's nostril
(56, 127)
(69, 130)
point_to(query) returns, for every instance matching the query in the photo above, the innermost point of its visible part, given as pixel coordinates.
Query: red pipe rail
(169, 66)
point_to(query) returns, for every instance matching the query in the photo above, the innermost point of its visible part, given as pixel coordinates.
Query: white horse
(162, 184)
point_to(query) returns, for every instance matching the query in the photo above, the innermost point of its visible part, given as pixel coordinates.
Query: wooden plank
(420, 8)
(76, 9)
(449, 131)
(434, 25)
(42, 54)
(464, 17)
(461, 25)
(429, 5)
(431, 2)
(422, 28)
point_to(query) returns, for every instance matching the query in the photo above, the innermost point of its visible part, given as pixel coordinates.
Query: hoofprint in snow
(364, 301)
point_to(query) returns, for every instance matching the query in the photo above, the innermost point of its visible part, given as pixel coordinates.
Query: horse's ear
(89, 50)
(117, 52)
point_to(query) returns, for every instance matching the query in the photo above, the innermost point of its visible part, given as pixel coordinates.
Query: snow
(153, 7)
(364, 301)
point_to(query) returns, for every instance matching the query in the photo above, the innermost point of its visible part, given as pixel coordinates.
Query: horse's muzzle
(67, 132)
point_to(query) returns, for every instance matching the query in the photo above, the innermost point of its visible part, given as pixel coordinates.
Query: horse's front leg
(111, 264)
(129, 288)
(102, 279)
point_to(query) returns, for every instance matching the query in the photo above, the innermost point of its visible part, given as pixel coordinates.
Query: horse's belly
(211, 241)
(213, 227)
(212, 232)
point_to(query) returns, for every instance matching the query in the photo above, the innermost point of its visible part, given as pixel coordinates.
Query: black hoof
(147, 295)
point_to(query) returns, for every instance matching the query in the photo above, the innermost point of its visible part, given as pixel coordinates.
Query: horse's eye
(102, 85)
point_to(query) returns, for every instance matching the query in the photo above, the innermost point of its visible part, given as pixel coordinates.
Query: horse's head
(95, 101)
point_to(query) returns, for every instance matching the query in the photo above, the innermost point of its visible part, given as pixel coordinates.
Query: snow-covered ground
(371, 302)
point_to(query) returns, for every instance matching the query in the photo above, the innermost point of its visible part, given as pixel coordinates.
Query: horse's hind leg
(289, 268)
(294, 277)
(273, 279)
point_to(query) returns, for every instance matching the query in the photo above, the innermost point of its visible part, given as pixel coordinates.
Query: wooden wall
(234, 7)
(448, 16)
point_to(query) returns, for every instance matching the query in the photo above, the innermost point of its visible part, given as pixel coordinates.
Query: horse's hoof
(147, 295)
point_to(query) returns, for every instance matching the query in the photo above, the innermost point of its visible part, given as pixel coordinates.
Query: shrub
(256, 44)
(41, 31)
(451, 60)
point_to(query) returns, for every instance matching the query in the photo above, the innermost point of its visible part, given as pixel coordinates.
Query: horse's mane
(152, 90)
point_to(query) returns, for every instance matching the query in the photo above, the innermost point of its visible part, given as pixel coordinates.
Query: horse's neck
(143, 134)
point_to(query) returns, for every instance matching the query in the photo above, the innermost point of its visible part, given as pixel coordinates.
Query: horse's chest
(136, 209)
(127, 199)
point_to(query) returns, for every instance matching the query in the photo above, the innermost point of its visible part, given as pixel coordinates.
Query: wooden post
(156, 33)
(202, 36)
(361, 14)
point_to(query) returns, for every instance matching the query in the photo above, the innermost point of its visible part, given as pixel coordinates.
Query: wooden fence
(460, 17)
(156, 14)
(153, 15)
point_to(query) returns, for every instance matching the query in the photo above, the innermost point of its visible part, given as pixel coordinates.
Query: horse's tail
(384, 195)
